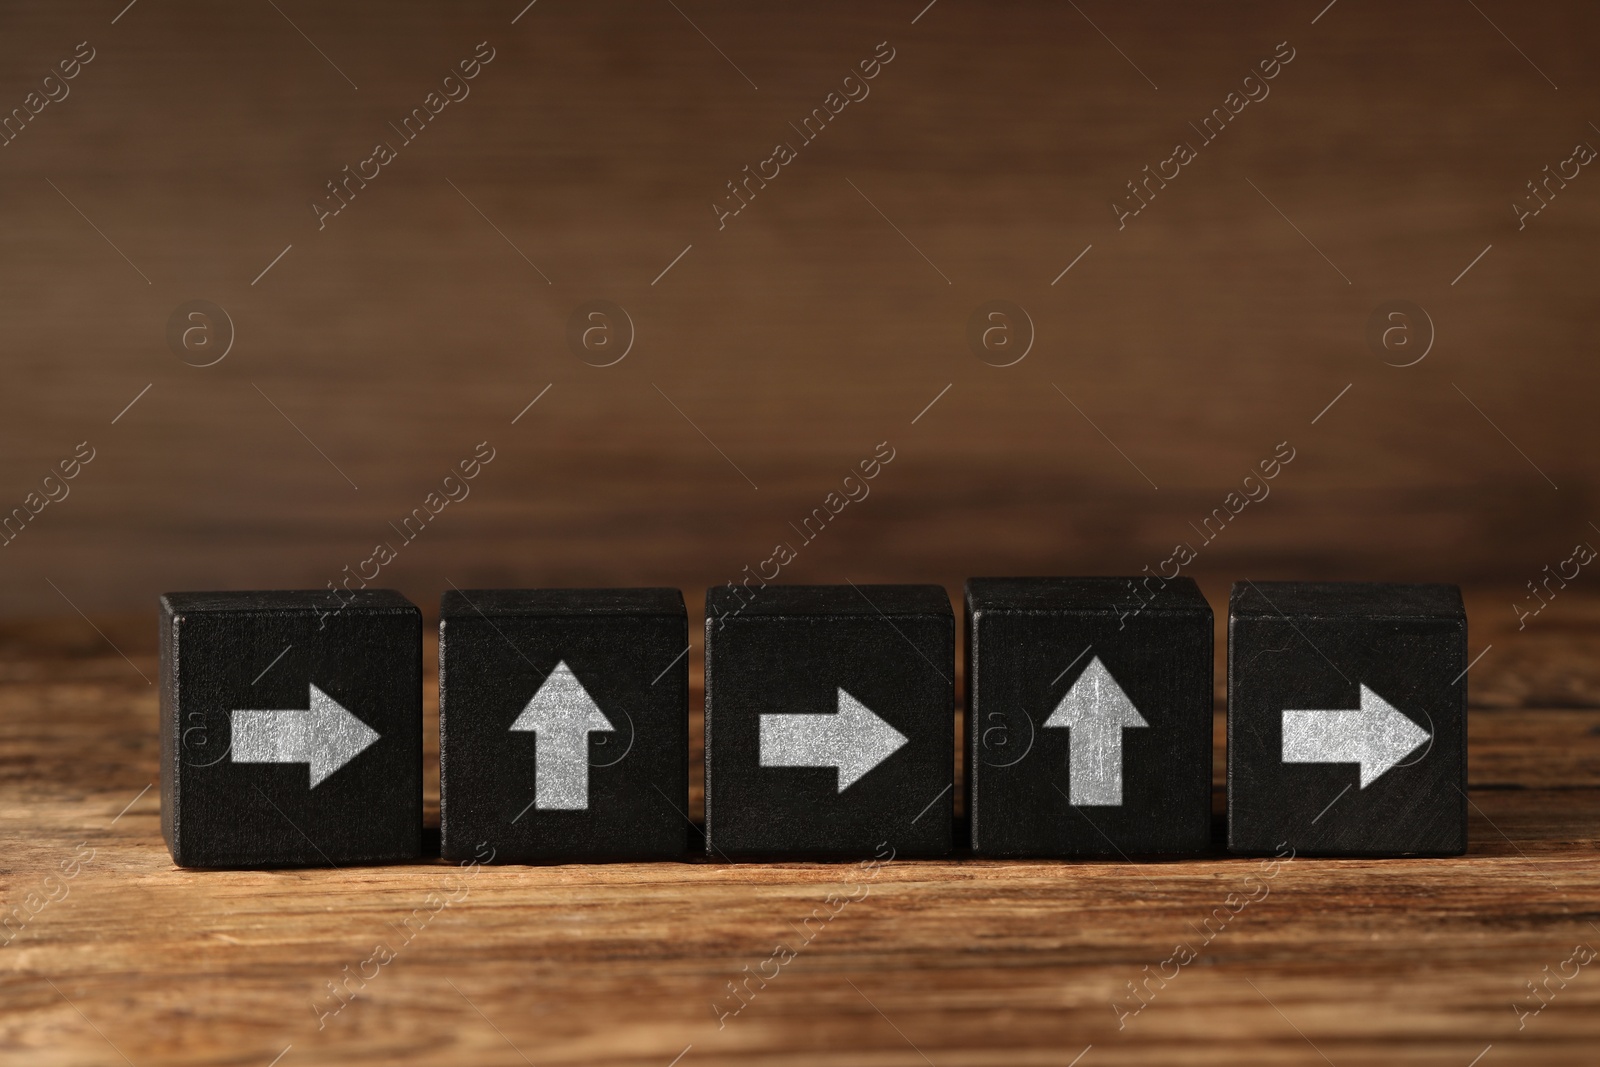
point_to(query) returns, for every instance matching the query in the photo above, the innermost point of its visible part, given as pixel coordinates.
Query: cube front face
(1347, 713)
(814, 688)
(1089, 718)
(564, 724)
(291, 728)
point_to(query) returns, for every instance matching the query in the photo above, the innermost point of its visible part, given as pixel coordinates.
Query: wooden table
(959, 962)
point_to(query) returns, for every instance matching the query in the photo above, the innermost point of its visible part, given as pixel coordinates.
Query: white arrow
(1375, 735)
(561, 716)
(1096, 710)
(853, 739)
(325, 736)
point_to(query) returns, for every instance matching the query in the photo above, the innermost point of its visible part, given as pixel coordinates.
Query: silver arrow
(561, 716)
(1376, 735)
(1096, 710)
(853, 739)
(325, 736)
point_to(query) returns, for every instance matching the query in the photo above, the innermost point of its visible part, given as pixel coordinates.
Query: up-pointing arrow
(561, 716)
(1376, 735)
(1096, 710)
(853, 739)
(325, 736)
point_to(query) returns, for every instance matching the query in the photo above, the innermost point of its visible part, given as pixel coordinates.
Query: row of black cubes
(292, 722)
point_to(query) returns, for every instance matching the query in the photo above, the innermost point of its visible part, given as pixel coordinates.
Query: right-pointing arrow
(853, 739)
(1376, 735)
(325, 736)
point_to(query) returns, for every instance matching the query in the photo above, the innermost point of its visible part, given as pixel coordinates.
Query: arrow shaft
(273, 736)
(561, 771)
(801, 741)
(1323, 736)
(1095, 764)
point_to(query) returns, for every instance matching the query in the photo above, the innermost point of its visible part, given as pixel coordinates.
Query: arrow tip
(561, 703)
(874, 740)
(1095, 698)
(1390, 736)
(338, 736)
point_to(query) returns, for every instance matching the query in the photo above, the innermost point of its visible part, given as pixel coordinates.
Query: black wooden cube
(291, 728)
(1347, 719)
(1088, 716)
(830, 720)
(563, 724)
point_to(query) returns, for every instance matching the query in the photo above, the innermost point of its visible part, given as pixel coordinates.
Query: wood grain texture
(949, 962)
(807, 329)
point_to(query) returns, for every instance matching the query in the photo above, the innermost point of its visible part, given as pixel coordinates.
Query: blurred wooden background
(822, 320)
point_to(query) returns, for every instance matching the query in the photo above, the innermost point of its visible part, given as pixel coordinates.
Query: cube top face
(830, 730)
(829, 600)
(316, 601)
(1095, 595)
(562, 602)
(1089, 718)
(1347, 729)
(564, 724)
(1358, 600)
(291, 728)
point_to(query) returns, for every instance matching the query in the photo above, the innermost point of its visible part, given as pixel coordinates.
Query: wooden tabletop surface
(904, 962)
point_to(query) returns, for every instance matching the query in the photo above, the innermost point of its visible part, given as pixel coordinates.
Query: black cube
(1088, 716)
(1347, 719)
(830, 720)
(563, 724)
(291, 728)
